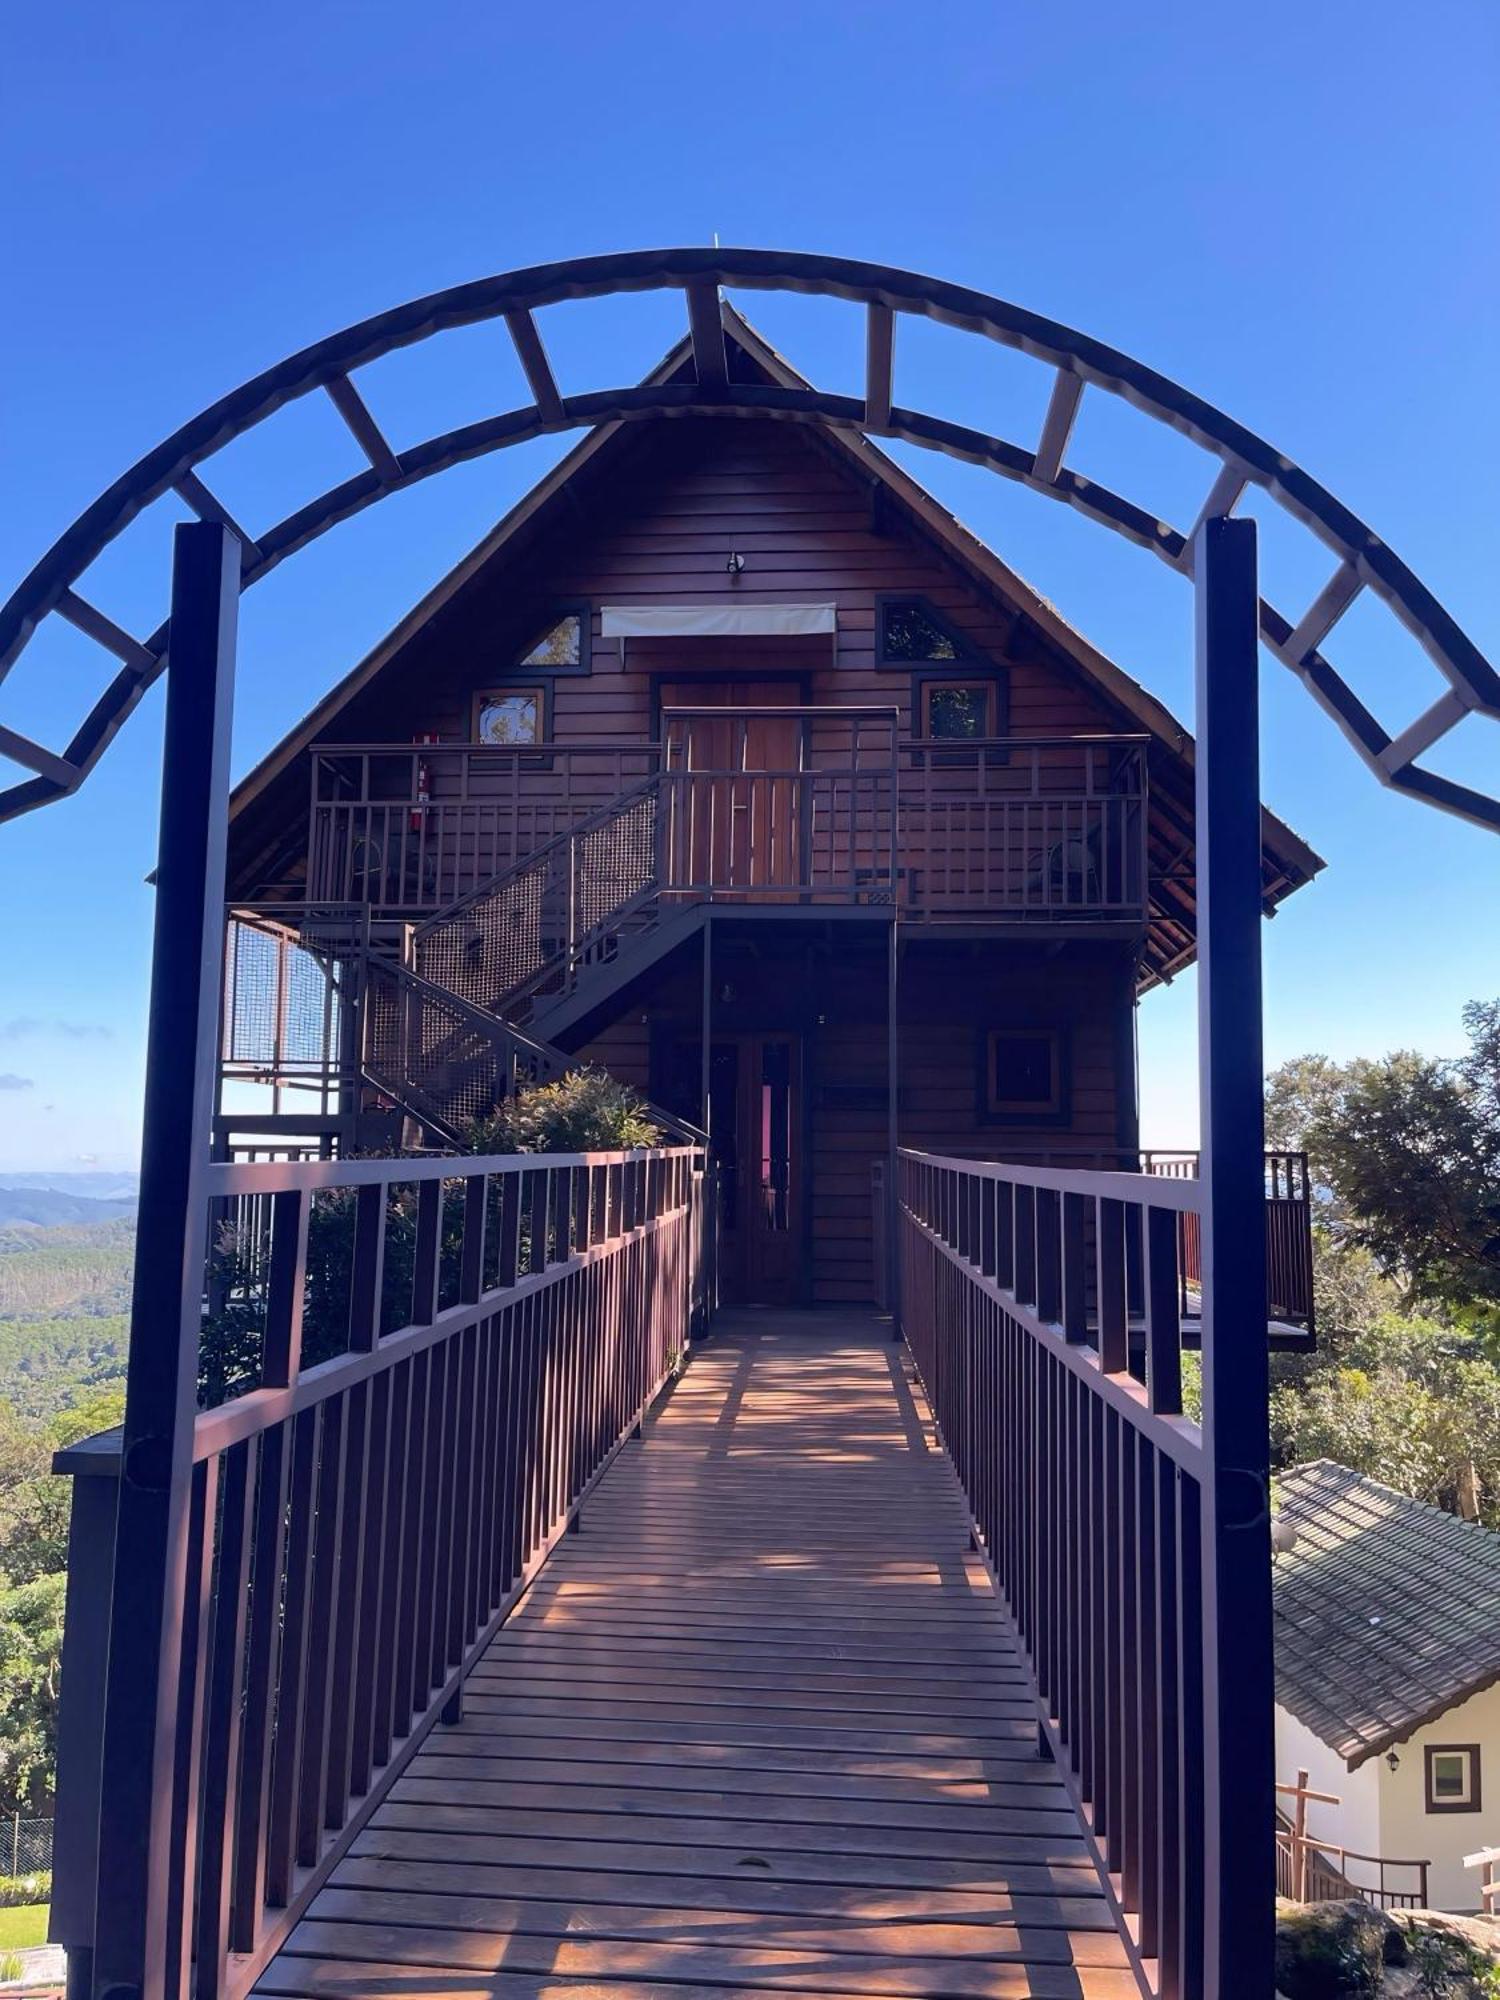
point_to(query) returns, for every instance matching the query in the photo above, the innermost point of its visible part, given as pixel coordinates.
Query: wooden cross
(1488, 1859)
(1299, 1842)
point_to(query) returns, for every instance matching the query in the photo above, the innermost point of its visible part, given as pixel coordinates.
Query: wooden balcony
(795, 804)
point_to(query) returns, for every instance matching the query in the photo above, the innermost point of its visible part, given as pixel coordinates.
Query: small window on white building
(1452, 1777)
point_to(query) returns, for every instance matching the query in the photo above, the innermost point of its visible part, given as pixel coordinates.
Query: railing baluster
(222, 1720)
(1163, 1325)
(270, 1506)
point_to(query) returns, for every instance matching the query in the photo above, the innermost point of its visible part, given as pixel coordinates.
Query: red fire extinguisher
(424, 785)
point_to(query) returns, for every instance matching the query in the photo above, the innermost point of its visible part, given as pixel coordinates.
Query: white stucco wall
(1353, 1823)
(1384, 1812)
(1407, 1828)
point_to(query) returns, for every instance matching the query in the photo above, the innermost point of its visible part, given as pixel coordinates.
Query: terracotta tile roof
(1387, 1609)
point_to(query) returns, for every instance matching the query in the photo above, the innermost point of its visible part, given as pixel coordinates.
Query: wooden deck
(761, 1726)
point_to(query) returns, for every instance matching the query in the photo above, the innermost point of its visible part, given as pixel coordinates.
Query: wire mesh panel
(445, 1060)
(498, 940)
(525, 935)
(25, 1846)
(288, 994)
(614, 862)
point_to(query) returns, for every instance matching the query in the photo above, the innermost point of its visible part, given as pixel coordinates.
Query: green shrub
(586, 1111)
(19, 1891)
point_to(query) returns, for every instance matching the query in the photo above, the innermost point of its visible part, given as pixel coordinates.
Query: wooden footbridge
(809, 1704)
(763, 1724)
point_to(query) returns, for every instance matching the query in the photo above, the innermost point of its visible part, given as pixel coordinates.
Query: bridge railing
(404, 1413)
(1085, 1486)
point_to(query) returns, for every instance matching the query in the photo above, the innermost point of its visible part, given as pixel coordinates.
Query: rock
(1334, 1951)
(1349, 1951)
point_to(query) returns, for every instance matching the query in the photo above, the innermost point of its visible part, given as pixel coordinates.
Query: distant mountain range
(122, 1184)
(45, 1204)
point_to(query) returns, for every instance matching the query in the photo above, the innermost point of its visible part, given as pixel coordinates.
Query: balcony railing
(768, 804)
(1289, 1248)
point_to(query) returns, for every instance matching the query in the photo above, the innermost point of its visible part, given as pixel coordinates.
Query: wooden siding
(658, 527)
(691, 495)
(832, 992)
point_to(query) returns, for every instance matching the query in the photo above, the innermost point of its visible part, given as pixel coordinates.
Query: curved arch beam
(1364, 561)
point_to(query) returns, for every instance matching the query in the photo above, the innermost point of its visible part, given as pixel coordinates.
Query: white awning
(715, 621)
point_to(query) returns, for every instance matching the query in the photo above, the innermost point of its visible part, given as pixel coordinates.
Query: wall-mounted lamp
(735, 565)
(1392, 1761)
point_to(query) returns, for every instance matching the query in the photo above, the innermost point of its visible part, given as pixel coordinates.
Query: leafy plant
(586, 1111)
(19, 1892)
(1447, 1967)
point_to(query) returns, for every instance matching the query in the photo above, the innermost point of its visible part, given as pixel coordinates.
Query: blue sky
(1289, 208)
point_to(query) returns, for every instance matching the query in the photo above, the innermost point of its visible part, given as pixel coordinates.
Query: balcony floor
(761, 1726)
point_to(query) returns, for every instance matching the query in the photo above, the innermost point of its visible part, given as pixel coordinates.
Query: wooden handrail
(363, 1523)
(1084, 1483)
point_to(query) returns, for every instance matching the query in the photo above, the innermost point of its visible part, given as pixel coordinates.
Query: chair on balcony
(1066, 872)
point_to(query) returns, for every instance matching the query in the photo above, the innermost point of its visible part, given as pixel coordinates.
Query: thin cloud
(25, 1025)
(9, 1081)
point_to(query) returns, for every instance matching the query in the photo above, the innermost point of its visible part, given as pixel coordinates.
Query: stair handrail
(496, 882)
(551, 1062)
(561, 850)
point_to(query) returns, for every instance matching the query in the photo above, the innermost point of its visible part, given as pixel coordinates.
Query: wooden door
(735, 791)
(755, 1113)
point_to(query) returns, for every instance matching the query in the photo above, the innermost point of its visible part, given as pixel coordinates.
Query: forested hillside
(64, 1295)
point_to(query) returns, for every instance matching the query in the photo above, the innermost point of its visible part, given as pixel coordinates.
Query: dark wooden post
(151, 1541)
(1239, 1773)
(893, 1125)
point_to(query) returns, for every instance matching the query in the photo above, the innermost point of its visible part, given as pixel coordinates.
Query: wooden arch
(1363, 562)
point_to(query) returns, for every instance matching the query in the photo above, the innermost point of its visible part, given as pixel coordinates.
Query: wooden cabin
(730, 761)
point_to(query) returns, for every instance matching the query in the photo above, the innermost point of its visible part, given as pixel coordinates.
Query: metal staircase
(526, 940)
(448, 1019)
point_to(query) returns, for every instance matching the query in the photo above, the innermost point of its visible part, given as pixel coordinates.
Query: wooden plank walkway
(761, 1727)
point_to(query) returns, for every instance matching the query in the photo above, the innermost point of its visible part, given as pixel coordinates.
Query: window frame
(583, 611)
(1473, 1801)
(963, 649)
(1057, 1110)
(968, 667)
(925, 685)
(508, 691)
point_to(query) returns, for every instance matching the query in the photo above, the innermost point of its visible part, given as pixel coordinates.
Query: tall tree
(1405, 1152)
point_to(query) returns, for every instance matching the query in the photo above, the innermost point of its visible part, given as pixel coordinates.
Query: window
(1452, 1772)
(958, 711)
(561, 645)
(909, 634)
(509, 715)
(1023, 1072)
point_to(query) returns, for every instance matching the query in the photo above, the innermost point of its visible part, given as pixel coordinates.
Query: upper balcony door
(734, 797)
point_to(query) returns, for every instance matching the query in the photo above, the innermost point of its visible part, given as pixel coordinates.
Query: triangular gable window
(561, 645)
(909, 632)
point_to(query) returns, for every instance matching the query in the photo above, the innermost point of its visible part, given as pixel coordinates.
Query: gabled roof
(1387, 1610)
(1288, 862)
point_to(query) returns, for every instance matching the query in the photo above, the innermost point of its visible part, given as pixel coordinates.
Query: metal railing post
(1239, 1773)
(139, 1806)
